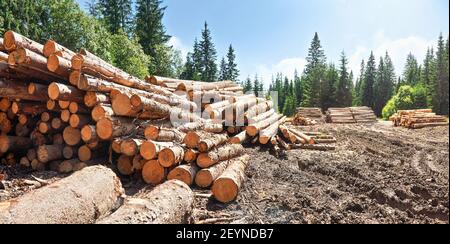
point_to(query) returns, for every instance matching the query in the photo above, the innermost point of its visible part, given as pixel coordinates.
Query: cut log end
(104, 129)
(125, 165)
(225, 190)
(153, 173)
(203, 179)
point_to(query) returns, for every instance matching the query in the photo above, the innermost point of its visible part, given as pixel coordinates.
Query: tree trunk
(226, 188)
(131, 147)
(72, 136)
(169, 135)
(79, 120)
(86, 154)
(254, 129)
(152, 128)
(153, 173)
(76, 108)
(47, 153)
(70, 152)
(309, 140)
(171, 156)
(270, 131)
(190, 155)
(239, 138)
(18, 90)
(209, 143)
(59, 65)
(109, 128)
(92, 99)
(260, 117)
(125, 165)
(12, 143)
(185, 173)
(30, 108)
(102, 111)
(65, 115)
(51, 47)
(169, 203)
(206, 177)
(226, 152)
(81, 198)
(89, 134)
(12, 41)
(58, 91)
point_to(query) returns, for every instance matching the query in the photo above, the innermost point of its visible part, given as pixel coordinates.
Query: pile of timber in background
(351, 115)
(314, 114)
(77, 110)
(417, 119)
(363, 115)
(301, 120)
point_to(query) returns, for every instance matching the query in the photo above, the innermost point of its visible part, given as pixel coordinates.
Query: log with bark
(153, 173)
(254, 129)
(226, 188)
(81, 198)
(185, 173)
(12, 143)
(169, 203)
(150, 149)
(12, 41)
(171, 156)
(225, 152)
(267, 134)
(209, 143)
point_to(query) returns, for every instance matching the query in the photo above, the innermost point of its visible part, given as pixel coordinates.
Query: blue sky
(274, 35)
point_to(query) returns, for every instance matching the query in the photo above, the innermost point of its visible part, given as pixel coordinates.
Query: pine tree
(116, 14)
(298, 89)
(344, 86)
(328, 88)
(248, 87)
(256, 85)
(366, 93)
(189, 68)
(441, 96)
(232, 70)
(223, 74)
(428, 75)
(314, 73)
(359, 81)
(208, 56)
(411, 73)
(152, 34)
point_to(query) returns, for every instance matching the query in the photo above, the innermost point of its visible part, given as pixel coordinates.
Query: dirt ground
(377, 174)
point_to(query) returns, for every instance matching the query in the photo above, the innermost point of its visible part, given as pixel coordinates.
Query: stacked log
(313, 114)
(340, 116)
(417, 119)
(363, 115)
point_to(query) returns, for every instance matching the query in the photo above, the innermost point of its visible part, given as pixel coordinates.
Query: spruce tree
(256, 85)
(208, 56)
(359, 81)
(366, 93)
(248, 87)
(232, 69)
(223, 74)
(298, 89)
(344, 86)
(314, 73)
(328, 88)
(441, 97)
(411, 73)
(152, 34)
(116, 14)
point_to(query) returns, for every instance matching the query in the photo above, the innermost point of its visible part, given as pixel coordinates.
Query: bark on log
(167, 135)
(309, 140)
(51, 47)
(29, 108)
(102, 111)
(18, 90)
(69, 152)
(12, 41)
(12, 143)
(270, 131)
(261, 117)
(239, 138)
(169, 203)
(125, 165)
(172, 156)
(109, 128)
(254, 129)
(150, 149)
(190, 155)
(89, 134)
(79, 120)
(58, 91)
(226, 152)
(185, 173)
(59, 65)
(81, 198)
(47, 153)
(76, 108)
(209, 143)
(206, 177)
(92, 99)
(153, 173)
(131, 147)
(152, 128)
(226, 188)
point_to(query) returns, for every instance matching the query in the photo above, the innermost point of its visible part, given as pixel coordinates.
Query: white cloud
(398, 50)
(286, 66)
(178, 44)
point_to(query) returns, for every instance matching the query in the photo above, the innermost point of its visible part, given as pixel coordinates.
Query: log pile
(363, 115)
(417, 119)
(314, 114)
(350, 115)
(300, 120)
(63, 111)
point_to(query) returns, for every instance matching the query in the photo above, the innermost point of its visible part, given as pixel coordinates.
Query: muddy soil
(377, 174)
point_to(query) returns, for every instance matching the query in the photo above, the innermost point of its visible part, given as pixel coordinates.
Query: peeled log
(58, 91)
(185, 173)
(209, 143)
(153, 173)
(12, 143)
(150, 149)
(47, 153)
(169, 203)
(226, 188)
(81, 198)
(226, 152)
(12, 41)
(172, 156)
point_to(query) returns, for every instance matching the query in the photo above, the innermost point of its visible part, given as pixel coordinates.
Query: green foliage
(115, 14)
(328, 88)
(208, 52)
(344, 85)
(441, 87)
(407, 97)
(223, 70)
(232, 69)
(128, 55)
(411, 74)
(384, 84)
(366, 93)
(248, 85)
(289, 107)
